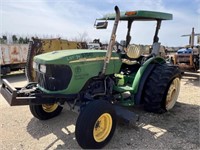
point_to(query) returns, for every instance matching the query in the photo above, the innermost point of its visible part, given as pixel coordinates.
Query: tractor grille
(57, 77)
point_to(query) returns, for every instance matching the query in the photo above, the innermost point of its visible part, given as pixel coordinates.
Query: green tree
(21, 40)
(4, 38)
(14, 38)
(1, 41)
(26, 40)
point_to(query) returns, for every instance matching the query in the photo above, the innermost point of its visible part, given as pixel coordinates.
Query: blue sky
(72, 18)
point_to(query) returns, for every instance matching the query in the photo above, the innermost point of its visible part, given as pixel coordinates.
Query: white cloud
(70, 18)
(32, 17)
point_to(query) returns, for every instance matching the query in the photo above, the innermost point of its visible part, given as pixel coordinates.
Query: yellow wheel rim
(102, 127)
(49, 107)
(172, 94)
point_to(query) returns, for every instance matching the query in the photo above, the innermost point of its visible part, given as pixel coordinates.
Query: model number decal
(81, 56)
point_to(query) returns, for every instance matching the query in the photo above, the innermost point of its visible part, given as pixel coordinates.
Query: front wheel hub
(49, 107)
(102, 127)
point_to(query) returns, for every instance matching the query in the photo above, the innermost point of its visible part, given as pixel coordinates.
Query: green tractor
(99, 83)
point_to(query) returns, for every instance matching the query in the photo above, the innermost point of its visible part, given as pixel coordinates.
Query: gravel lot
(177, 129)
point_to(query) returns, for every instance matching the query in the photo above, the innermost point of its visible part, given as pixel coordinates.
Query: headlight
(43, 68)
(34, 65)
(134, 51)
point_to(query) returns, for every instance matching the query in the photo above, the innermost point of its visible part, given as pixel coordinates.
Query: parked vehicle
(188, 58)
(13, 57)
(98, 83)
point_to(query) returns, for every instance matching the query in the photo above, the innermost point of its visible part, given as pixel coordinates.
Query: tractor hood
(73, 56)
(67, 71)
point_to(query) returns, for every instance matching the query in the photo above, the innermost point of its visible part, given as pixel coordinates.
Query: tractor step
(126, 116)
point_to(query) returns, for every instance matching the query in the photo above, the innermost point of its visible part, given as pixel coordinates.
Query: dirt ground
(177, 129)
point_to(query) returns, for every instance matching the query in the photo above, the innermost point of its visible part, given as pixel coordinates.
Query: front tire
(95, 126)
(45, 111)
(162, 88)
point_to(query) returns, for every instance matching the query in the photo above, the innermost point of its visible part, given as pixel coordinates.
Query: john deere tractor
(99, 83)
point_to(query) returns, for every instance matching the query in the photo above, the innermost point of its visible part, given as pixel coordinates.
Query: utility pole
(191, 37)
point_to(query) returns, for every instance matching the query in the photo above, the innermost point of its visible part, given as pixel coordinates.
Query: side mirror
(101, 25)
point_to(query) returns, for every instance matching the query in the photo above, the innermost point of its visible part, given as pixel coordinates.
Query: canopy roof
(139, 15)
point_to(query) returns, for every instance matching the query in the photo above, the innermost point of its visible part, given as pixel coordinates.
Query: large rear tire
(162, 88)
(95, 126)
(45, 111)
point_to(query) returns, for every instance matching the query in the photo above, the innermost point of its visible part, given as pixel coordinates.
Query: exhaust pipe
(112, 41)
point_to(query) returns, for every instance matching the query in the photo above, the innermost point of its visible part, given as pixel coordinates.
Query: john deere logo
(77, 70)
